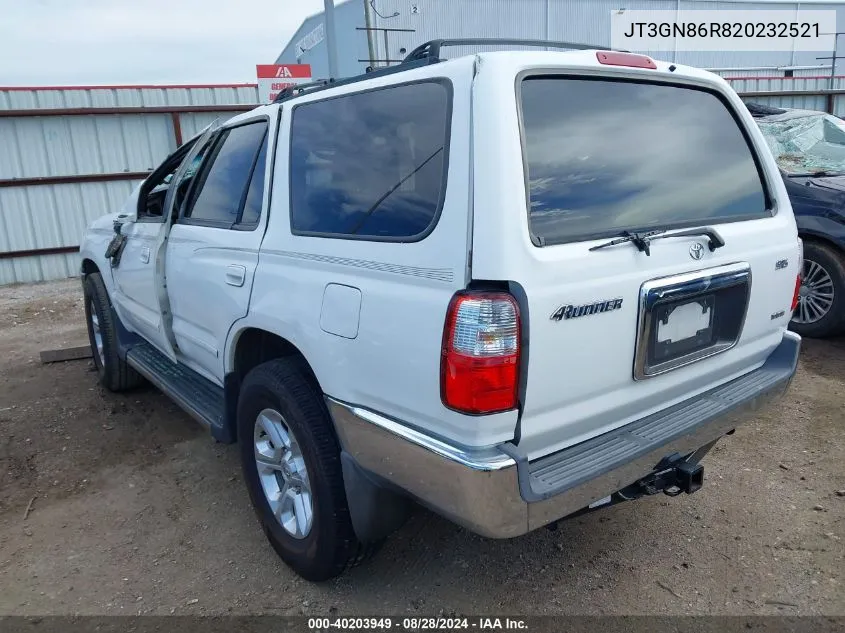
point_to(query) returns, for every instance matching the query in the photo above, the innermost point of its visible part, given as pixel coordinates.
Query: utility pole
(829, 106)
(368, 22)
(331, 45)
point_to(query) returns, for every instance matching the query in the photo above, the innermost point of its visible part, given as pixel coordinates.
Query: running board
(197, 395)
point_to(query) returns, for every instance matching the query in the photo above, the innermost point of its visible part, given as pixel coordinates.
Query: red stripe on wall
(787, 78)
(130, 87)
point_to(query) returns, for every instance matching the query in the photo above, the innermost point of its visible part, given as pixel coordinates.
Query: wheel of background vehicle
(821, 299)
(291, 463)
(114, 373)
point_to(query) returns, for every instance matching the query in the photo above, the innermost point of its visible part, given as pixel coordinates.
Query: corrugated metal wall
(769, 72)
(816, 84)
(51, 217)
(125, 96)
(70, 155)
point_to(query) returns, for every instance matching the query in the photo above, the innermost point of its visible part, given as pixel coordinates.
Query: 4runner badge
(572, 312)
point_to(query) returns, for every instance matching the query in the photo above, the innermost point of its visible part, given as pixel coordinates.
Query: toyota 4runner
(511, 286)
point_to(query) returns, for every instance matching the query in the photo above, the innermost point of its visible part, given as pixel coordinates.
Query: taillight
(479, 365)
(800, 255)
(797, 292)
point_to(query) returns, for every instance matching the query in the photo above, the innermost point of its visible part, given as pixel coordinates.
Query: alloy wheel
(283, 474)
(98, 335)
(815, 297)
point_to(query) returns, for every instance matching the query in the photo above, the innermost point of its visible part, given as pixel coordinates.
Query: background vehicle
(467, 283)
(809, 147)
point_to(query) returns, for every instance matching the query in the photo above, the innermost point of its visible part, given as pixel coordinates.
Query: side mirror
(119, 221)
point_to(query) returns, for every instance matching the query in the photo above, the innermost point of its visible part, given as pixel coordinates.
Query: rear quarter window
(371, 165)
(605, 156)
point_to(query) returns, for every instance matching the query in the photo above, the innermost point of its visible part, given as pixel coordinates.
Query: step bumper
(495, 495)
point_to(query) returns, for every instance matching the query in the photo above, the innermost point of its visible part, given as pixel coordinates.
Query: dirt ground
(136, 511)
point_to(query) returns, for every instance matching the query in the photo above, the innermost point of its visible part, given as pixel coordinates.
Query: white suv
(510, 286)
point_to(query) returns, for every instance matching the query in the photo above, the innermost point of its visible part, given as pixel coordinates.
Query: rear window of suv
(608, 156)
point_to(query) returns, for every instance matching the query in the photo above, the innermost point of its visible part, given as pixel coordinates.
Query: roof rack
(324, 84)
(296, 89)
(425, 54)
(430, 51)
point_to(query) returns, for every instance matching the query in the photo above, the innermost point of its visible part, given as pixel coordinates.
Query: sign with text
(659, 30)
(273, 78)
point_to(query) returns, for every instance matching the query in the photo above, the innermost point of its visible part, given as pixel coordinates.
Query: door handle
(235, 275)
(145, 254)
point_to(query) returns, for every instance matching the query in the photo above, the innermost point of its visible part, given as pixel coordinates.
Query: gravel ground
(135, 510)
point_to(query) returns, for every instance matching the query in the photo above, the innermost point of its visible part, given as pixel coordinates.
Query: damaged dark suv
(809, 147)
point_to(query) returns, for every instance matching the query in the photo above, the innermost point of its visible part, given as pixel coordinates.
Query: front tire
(291, 462)
(114, 373)
(821, 302)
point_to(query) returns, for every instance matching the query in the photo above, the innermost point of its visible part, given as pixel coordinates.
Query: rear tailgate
(617, 333)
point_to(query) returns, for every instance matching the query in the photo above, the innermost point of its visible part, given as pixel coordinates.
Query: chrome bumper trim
(482, 459)
(480, 488)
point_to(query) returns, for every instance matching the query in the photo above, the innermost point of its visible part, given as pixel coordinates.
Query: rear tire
(323, 544)
(114, 373)
(823, 274)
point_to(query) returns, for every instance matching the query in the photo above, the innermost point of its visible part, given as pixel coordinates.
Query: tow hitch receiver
(673, 475)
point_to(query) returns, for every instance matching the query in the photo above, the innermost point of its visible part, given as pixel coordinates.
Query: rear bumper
(497, 495)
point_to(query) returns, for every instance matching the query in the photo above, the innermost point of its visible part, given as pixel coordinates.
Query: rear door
(622, 331)
(213, 246)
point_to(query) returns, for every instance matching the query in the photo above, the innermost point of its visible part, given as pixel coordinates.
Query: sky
(92, 42)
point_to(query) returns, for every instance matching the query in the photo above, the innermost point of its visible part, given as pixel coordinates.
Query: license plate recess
(686, 318)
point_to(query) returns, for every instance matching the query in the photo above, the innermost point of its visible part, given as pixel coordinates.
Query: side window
(255, 195)
(151, 200)
(222, 185)
(188, 177)
(370, 164)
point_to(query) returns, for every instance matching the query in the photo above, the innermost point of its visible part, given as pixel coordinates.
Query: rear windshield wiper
(640, 240)
(714, 239)
(643, 240)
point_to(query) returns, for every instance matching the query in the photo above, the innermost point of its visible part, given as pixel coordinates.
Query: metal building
(379, 32)
(69, 154)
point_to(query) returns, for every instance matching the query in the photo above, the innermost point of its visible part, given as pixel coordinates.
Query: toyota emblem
(696, 251)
